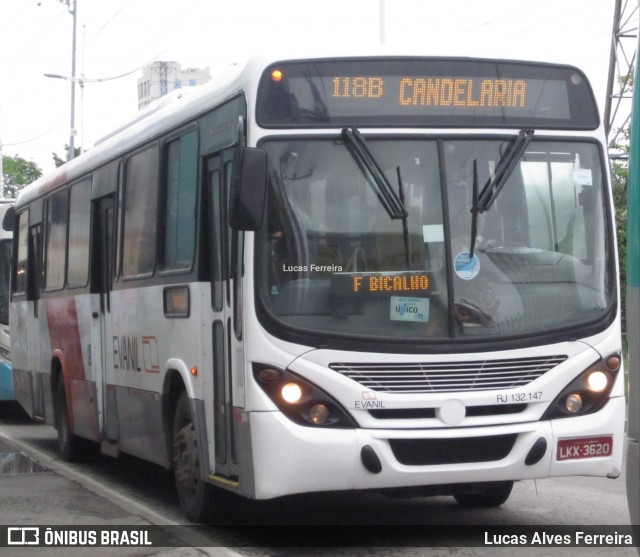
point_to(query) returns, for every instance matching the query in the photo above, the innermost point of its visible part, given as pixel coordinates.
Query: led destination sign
(385, 284)
(389, 283)
(427, 92)
(439, 91)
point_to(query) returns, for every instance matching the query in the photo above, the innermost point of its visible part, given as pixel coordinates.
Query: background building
(160, 78)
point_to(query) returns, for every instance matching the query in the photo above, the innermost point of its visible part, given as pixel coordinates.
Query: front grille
(424, 413)
(431, 452)
(443, 377)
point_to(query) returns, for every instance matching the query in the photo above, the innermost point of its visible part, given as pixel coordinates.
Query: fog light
(319, 413)
(574, 403)
(597, 381)
(291, 393)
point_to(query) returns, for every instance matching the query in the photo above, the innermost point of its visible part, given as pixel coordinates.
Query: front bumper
(289, 459)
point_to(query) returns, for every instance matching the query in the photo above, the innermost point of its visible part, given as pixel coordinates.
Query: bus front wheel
(193, 491)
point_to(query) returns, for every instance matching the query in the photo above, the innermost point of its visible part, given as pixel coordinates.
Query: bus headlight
(300, 400)
(291, 393)
(588, 392)
(597, 381)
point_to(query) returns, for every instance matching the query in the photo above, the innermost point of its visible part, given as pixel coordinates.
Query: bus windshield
(330, 259)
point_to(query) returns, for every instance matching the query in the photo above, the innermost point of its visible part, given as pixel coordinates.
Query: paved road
(127, 491)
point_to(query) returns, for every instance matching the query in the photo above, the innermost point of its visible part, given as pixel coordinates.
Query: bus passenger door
(102, 251)
(225, 347)
(34, 334)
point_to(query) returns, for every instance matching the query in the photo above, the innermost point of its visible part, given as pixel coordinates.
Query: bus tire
(70, 446)
(194, 493)
(492, 494)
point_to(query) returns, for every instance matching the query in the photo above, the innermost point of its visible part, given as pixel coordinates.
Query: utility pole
(72, 7)
(617, 112)
(72, 132)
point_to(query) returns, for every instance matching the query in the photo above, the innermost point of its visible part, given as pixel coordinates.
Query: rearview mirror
(246, 205)
(248, 185)
(9, 219)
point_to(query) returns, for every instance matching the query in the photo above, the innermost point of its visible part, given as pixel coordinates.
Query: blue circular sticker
(465, 266)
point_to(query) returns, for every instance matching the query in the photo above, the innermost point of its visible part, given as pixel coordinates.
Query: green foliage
(18, 173)
(620, 175)
(59, 161)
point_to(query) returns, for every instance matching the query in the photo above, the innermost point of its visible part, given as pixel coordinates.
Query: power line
(9, 20)
(504, 15)
(18, 57)
(33, 138)
(108, 22)
(164, 31)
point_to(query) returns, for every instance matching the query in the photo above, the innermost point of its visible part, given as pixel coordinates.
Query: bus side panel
(67, 343)
(145, 346)
(6, 381)
(6, 377)
(22, 383)
(140, 420)
(6, 243)
(31, 361)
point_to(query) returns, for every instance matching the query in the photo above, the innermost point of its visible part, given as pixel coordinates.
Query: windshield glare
(330, 258)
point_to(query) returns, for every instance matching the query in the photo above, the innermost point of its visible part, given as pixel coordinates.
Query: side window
(140, 213)
(216, 237)
(181, 197)
(236, 250)
(22, 252)
(79, 233)
(56, 234)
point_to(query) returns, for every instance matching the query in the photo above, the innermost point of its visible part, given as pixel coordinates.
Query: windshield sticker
(465, 266)
(409, 309)
(582, 177)
(433, 233)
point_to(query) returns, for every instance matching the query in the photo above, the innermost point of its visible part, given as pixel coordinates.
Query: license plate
(584, 447)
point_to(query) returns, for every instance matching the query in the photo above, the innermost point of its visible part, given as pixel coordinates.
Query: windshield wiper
(474, 209)
(482, 201)
(504, 169)
(384, 190)
(405, 225)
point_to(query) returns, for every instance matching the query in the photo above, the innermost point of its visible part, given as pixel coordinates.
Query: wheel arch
(176, 381)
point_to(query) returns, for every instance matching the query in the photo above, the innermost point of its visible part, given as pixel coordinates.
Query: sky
(121, 36)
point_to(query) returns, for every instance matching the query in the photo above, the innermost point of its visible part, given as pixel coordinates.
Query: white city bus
(368, 273)
(6, 240)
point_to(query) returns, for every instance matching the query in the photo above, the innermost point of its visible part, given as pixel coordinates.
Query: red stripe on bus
(64, 333)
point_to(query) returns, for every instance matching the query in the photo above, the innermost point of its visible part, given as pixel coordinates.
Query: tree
(18, 173)
(59, 161)
(620, 176)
